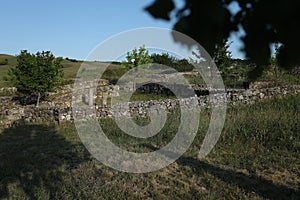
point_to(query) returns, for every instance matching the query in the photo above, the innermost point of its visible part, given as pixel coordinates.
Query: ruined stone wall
(11, 113)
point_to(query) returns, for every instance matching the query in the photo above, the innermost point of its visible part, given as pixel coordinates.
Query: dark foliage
(181, 65)
(264, 21)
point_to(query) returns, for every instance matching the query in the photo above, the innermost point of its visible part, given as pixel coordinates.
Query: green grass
(113, 73)
(257, 157)
(283, 78)
(12, 61)
(192, 79)
(137, 96)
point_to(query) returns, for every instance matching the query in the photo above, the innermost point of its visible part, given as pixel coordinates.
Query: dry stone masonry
(58, 107)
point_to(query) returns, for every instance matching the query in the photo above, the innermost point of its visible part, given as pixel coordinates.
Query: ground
(257, 157)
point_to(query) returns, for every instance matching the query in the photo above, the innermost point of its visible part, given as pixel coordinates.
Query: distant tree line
(141, 56)
(181, 65)
(71, 60)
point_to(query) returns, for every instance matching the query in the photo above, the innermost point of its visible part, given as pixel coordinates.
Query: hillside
(71, 67)
(233, 76)
(12, 61)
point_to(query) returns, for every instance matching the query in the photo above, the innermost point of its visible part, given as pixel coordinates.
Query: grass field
(70, 68)
(12, 61)
(257, 157)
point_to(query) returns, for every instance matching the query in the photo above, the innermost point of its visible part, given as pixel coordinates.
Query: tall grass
(256, 157)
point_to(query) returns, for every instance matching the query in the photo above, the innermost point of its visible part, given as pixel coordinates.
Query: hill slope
(71, 67)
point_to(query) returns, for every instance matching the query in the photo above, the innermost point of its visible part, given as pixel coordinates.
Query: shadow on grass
(33, 160)
(250, 183)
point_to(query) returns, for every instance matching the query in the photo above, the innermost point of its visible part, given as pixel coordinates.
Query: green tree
(164, 59)
(223, 58)
(137, 58)
(264, 22)
(181, 65)
(36, 73)
(275, 65)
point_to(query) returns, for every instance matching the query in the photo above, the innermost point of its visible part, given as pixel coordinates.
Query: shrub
(4, 62)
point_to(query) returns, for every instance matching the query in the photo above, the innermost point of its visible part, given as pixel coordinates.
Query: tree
(36, 73)
(222, 57)
(181, 65)
(137, 58)
(274, 63)
(164, 59)
(265, 22)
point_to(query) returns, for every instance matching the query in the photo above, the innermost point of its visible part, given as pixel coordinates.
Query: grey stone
(261, 95)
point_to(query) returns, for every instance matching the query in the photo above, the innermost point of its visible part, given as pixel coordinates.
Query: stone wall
(12, 114)
(7, 91)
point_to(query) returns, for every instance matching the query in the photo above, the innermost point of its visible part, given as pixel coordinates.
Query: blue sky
(73, 28)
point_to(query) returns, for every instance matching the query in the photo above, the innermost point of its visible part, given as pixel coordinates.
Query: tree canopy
(265, 22)
(137, 57)
(181, 65)
(36, 73)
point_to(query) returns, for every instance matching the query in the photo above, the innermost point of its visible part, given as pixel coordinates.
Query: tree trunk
(276, 76)
(38, 100)
(134, 84)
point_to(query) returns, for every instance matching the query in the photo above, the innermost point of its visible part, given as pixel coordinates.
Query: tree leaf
(161, 9)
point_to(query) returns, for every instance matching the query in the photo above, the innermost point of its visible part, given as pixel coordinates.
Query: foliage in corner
(264, 22)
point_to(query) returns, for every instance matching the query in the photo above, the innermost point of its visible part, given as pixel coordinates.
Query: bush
(4, 62)
(113, 74)
(181, 65)
(71, 60)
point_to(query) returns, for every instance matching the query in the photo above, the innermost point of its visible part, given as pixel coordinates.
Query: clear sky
(73, 28)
